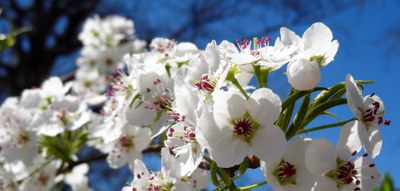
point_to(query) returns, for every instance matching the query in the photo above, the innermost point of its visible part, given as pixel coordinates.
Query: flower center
(126, 142)
(161, 97)
(62, 117)
(346, 173)
(186, 134)
(285, 173)
(373, 114)
(205, 84)
(319, 59)
(244, 127)
(43, 179)
(23, 137)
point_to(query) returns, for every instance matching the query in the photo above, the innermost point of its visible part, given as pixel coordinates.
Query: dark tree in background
(54, 26)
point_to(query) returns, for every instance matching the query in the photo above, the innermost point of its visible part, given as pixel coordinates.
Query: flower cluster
(104, 41)
(198, 109)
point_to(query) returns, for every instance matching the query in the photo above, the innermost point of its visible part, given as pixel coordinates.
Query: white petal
(117, 157)
(142, 138)
(368, 173)
(268, 172)
(375, 142)
(170, 166)
(364, 137)
(53, 85)
(264, 106)
(212, 56)
(304, 178)
(349, 141)
(50, 130)
(185, 99)
(226, 150)
(324, 183)
(268, 143)
(303, 74)
(318, 37)
(354, 98)
(288, 37)
(140, 169)
(330, 54)
(30, 98)
(138, 115)
(320, 156)
(207, 130)
(231, 103)
(229, 151)
(296, 150)
(241, 58)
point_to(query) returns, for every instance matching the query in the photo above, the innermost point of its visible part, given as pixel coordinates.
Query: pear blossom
(269, 57)
(238, 126)
(66, 114)
(290, 172)
(168, 179)
(18, 141)
(8, 180)
(53, 89)
(341, 168)
(369, 110)
(105, 42)
(181, 136)
(78, 179)
(303, 71)
(128, 146)
(43, 177)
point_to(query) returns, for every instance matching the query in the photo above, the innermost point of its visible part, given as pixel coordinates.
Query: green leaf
(6, 42)
(300, 115)
(386, 184)
(331, 114)
(286, 115)
(327, 126)
(321, 108)
(297, 95)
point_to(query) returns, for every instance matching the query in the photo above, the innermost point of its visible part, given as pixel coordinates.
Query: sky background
(368, 51)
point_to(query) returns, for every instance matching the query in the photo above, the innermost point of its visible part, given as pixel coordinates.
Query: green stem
(155, 120)
(264, 76)
(252, 186)
(225, 178)
(257, 73)
(236, 83)
(319, 109)
(231, 78)
(297, 95)
(298, 119)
